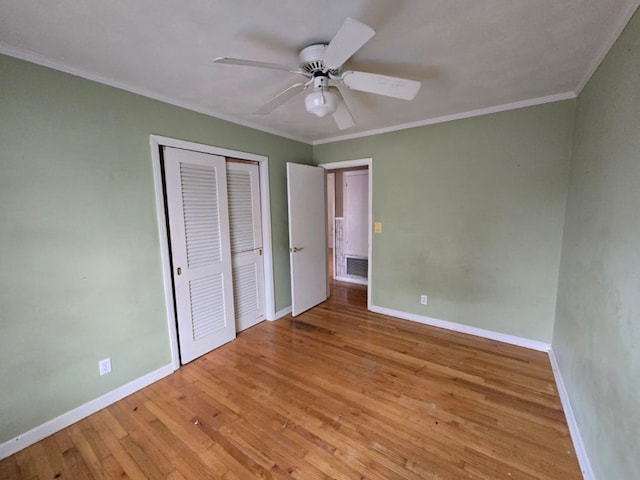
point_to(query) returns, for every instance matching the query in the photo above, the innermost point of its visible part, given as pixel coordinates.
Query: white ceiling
(470, 55)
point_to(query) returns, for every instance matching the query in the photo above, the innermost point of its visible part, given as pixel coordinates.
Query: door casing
(156, 142)
(362, 162)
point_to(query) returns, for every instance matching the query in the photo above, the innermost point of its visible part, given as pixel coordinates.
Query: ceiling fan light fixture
(321, 102)
(321, 64)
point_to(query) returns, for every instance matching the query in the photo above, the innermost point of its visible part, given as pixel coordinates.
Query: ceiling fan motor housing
(310, 59)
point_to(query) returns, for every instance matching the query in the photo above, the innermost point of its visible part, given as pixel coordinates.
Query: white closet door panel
(243, 188)
(207, 306)
(245, 289)
(243, 217)
(200, 250)
(201, 218)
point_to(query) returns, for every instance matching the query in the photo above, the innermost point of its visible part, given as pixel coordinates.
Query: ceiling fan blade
(351, 36)
(382, 84)
(342, 115)
(253, 63)
(282, 97)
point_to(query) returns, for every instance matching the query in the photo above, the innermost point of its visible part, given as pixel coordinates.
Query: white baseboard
(578, 445)
(52, 426)
(283, 312)
(458, 327)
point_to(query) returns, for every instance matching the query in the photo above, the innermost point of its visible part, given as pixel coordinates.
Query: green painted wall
(597, 331)
(472, 215)
(79, 250)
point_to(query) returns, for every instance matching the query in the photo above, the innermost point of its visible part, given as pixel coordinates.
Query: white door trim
(362, 162)
(156, 141)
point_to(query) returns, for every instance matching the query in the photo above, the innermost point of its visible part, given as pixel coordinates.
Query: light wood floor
(335, 393)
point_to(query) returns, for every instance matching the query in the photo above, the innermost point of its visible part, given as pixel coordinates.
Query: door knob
(295, 249)
(179, 272)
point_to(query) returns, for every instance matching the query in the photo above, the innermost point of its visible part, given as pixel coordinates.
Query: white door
(356, 213)
(243, 190)
(201, 258)
(307, 236)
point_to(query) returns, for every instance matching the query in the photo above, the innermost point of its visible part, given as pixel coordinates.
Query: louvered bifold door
(243, 190)
(200, 250)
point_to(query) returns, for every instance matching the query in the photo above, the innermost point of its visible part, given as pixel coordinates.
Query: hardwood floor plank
(8, 468)
(193, 445)
(75, 463)
(84, 445)
(41, 463)
(100, 422)
(141, 444)
(25, 463)
(288, 460)
(336, 393)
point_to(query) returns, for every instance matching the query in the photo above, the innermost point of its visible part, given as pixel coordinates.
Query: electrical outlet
(104, 366)
(423, 299)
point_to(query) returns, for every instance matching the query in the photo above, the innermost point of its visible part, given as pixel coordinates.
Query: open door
(306, 192)
(200, 252)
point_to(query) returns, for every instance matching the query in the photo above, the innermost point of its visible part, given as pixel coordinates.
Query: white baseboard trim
(578, 445)
(458, 327)
(52, 426)
(283, 312)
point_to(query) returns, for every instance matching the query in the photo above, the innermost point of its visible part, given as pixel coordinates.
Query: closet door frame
(156, 143)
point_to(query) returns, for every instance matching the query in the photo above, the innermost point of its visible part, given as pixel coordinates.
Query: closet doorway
(237, 244)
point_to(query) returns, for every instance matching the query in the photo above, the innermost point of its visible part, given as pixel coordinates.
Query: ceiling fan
(322, 65)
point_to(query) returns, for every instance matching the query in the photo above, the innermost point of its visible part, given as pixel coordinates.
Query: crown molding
(456, 116)
(32, 57)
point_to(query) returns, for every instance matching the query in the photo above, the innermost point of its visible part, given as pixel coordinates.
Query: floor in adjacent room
(337, 392)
